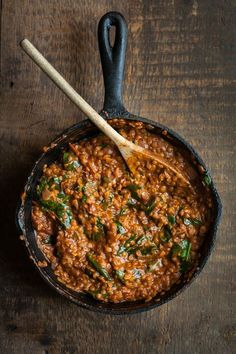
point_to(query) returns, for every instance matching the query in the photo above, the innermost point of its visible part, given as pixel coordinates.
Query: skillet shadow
(16, 269)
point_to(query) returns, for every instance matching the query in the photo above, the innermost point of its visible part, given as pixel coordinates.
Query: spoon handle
(54, 75)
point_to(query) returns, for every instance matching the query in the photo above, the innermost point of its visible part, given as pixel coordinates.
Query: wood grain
(180, 70)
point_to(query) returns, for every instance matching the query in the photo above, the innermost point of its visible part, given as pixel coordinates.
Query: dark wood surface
(180, 70)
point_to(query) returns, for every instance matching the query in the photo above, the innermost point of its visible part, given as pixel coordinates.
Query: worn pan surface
(113, 60)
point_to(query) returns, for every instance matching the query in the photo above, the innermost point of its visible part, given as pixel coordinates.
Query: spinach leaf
(95, 236)
(133, 189)
(153, 265)
(61, 210)
(132, 249)
(120, 275)
(72, 166)
(126, 245)
(54, 181)
(131, 203)
(167, 234)
(70, 161)
(206, 179)
(141, 239)
(122, 211)
(138, 242)
(101, 231)
(186, 247)
(43, 183)
(190, 221)
(176, 249)
(187, 221)
(137, 273)
(171, 219)
(49, 240)
(88, 273)
(84, 196)
(63, 197)
(65, 157)
(99, 224)
(148, 208)
(182, 249)
(58, 253)
(196, 222)
(120, 229)
(102, 271)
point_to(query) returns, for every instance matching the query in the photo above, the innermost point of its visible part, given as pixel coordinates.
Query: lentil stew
(113, 236)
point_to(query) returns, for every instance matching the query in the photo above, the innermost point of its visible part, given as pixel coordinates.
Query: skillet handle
(113, 60)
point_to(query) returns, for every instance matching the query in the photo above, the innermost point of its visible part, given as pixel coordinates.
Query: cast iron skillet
(113, 60)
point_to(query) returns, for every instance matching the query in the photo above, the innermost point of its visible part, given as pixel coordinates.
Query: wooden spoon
(131, 153)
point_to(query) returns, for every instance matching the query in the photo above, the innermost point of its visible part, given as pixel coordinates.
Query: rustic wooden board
(180, 70)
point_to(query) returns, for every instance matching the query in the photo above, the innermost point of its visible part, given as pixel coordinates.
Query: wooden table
(180, 70)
